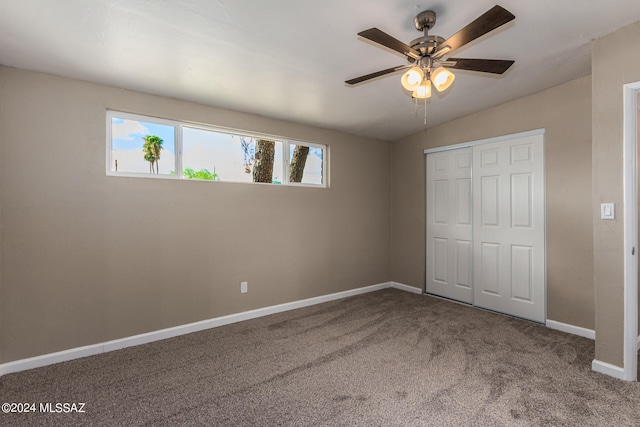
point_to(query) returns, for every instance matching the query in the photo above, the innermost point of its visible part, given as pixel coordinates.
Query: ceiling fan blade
(376, 74)
(489, 21)
(495, 66)
(380, 37)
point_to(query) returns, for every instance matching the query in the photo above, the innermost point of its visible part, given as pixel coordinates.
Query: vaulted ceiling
(288, 59)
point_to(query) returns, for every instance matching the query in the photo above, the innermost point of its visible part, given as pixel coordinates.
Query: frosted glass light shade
(442, 78)
(423, 90)
(412, 78)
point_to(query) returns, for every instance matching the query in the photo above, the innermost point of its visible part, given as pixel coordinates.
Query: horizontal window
(150, 147)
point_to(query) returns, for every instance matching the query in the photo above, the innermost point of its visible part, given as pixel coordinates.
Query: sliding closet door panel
(441, 201)
(450, 224)
(522, 200)
(521, 273)
(490, 201)
(490, 268)
(464, 264)
(509, 247)
(463, 202)
(440, 258)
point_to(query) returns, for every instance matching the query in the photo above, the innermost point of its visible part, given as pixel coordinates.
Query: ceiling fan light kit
(426, 54)
(412, 78)
(423, 91)
(442, 78)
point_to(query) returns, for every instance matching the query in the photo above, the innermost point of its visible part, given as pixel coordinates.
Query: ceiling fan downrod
(426, 44)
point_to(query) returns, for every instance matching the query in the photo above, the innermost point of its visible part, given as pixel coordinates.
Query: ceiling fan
(426, 54)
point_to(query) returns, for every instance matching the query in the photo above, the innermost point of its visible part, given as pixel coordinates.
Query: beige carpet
(388, 358)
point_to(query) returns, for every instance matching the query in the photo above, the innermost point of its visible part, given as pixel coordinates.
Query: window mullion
(286, 164)
(178, 148)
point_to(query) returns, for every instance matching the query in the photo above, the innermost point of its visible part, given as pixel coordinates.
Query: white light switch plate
(607, 211)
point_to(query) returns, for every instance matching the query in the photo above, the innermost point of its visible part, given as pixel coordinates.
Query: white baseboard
(571, 329)
(90, 350)
(608, 369)
(407, 288)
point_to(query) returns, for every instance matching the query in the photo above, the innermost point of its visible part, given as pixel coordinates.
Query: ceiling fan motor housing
(426, 44)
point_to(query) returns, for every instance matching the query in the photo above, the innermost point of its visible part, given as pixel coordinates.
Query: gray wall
(88, 258)
(565, 113)
(615, 62)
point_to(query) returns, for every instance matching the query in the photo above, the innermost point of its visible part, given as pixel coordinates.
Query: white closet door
(509, 246)
(449, 224)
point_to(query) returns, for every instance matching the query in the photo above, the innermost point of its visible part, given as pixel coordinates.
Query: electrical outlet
(243, 287)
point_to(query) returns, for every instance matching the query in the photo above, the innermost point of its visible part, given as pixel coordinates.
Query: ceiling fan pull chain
(425, 113)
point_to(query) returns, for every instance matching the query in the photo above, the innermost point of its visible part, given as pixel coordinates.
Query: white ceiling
(288, 59)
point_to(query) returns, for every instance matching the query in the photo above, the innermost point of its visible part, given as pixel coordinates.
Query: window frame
(287, 163)
(178, 134)
(111, 114)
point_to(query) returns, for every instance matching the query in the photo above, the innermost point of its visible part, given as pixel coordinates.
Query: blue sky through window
(127, 145)
(128, 134)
